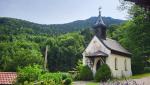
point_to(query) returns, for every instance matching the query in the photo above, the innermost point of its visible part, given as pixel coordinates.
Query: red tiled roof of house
(8, 77)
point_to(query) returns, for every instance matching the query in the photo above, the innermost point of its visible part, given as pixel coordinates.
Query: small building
(102, 50)
(7, 78)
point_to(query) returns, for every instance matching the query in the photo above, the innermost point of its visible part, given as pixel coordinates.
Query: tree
(134, 36)
(19, 54)
(64, 51)
(110, 30)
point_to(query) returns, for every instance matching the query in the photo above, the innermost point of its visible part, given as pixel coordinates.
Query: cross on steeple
(100, 27)
(100, 10)
(99, 19)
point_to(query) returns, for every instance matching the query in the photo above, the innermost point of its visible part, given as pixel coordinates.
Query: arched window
(116, 68)
(125, 65)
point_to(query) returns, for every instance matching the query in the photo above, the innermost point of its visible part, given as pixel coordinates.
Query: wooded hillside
(23, 43)
(12, 24)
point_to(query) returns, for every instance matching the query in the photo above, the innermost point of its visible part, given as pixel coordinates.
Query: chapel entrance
(95, 60)
(98, 65)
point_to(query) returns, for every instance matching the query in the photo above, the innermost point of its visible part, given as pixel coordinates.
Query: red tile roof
(8, 77)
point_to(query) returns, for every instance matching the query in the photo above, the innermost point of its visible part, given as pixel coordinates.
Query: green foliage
(86, 73)
(139, 33)
(17, 26)
(44, 82)
(103, 73)
(48, 82)
(19, 54)
(34, 74)
(76, 73)
(134, 36)
(29, 73)
(88, 35)
(67, 81)
(79, 66)
(64, 76)
(23, 43)
(57, 77)
(147, 69)
(65, 50)
(110, 31)
(139, 76)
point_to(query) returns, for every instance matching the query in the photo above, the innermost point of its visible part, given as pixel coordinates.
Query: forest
(23, 43)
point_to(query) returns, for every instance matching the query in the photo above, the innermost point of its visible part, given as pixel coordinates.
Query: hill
(12, 25)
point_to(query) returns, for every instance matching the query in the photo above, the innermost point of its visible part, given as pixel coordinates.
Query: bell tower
(100, 27)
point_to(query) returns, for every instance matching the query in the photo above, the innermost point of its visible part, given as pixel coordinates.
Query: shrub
(27, 83)
(64, 76)
(103, 73)
(45, 82)
(147, 69)
(29, 73)
(137, 65)
(48, 82)
(34, 74)
(56, 77)
(76, 73)
(86, 73)
(67, 81)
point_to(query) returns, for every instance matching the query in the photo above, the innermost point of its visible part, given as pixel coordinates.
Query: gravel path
(142, 81)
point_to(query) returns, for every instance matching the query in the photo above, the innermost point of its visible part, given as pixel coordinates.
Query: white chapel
(102, 50)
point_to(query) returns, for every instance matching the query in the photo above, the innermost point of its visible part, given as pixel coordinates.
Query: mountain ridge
(55, 28)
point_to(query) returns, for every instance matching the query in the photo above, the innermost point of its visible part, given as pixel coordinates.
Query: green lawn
(140, 76)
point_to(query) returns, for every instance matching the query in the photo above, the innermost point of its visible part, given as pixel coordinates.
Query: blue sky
(59, 11)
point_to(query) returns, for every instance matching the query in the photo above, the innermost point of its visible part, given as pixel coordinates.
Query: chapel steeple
(100, 27)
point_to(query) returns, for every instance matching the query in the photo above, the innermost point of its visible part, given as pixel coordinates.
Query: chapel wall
(96, 45)
(120, 64)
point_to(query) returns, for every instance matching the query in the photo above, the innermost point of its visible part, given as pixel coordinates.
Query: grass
(140, 76)
(93, 83)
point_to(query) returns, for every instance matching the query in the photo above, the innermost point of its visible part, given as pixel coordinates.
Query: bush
(86, 73)
(29, 73)
(76, 73)
(103, 73)
(147, 69)
(48, 82)
(57, 77)
(34, 74)
(137, 66)
(67, 81)
(64, 76)
(45, 82)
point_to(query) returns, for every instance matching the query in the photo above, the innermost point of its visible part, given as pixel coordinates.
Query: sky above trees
(59, 11)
